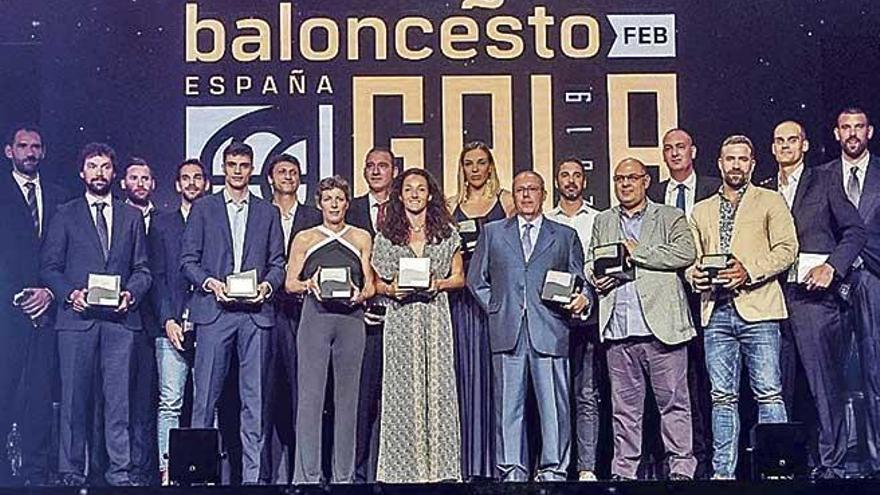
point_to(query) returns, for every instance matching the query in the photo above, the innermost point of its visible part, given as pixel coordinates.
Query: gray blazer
(506, 285)
(666, 246)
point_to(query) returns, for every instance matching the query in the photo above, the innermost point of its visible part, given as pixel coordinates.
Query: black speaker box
(194, 456)
(779, 450)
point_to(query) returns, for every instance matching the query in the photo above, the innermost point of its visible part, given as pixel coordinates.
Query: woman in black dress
(480, 199)
(329, 330)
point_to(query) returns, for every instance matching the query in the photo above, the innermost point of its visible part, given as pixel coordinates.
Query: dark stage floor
(842, 487)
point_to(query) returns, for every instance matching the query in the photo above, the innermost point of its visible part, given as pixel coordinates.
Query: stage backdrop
(327, 80)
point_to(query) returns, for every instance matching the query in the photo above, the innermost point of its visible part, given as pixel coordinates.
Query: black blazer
(825, 220)
(706, 186)
(869, 206)
(170, 291)
(359, 214)
(72, 250)
(20, 248)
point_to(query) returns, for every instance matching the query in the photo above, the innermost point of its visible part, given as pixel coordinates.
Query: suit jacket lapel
(92, 230)
(546, 237)
(806, 183)
(649, 222)
(116, 228)
(223, 217)
(869, 190)
(249, 228)
(512, 237)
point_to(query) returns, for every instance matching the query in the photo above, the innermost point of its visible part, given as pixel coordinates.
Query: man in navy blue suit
(829, 230)
(857, 171)
(28, 349)
(170, 295)
(227, 233)
(95, 234)
(527, 336)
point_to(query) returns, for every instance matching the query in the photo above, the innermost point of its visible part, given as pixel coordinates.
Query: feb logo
(210, 129)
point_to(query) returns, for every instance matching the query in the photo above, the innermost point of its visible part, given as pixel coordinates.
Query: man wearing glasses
(646, 321)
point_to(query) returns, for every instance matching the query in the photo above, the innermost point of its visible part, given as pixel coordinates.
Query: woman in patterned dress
(419, 428)
(482, 200)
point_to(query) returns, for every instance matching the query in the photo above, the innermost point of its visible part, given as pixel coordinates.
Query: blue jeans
(729, 338)
(173, 369)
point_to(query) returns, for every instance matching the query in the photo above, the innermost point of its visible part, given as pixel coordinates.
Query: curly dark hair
(438, 220)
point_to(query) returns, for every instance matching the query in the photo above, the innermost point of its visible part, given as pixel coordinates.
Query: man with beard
(368, 212)
(28, 362)
(858, 172)
(233, 232)
(138, 185)
(283, 177)
(96, 234)
(572, 210)
(830, 235)
(742, 307)
(683, 190)
(170, 295)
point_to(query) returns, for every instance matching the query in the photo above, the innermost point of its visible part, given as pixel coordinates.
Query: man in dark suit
(527, 336)
(28, 362)
(283, 177)
(170, 296)
(233, 232)
(368, 212)
(830, 235)
(683, 190)
(858, 173)
(138, 185)
(96, 235)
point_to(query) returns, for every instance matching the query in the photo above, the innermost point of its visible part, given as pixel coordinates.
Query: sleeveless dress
(329, 331)
(419, 429)
(473, 366)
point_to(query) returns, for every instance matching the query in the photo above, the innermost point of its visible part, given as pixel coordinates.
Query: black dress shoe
(617, 477)
(680, 477)
(874, 475)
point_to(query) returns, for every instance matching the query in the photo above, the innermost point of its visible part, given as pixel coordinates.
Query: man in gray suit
(527, 336)
(646, 321)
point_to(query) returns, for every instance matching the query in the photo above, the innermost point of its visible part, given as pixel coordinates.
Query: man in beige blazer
(742, 307)
(646, 321)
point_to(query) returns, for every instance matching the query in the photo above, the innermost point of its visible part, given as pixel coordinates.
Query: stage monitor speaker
(779, 451)
(194, 456)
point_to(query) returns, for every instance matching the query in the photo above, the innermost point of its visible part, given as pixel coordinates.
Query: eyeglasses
(383, 166)
(620, 179)
(527, 189)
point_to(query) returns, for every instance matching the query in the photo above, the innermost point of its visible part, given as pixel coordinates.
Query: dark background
(112, 71)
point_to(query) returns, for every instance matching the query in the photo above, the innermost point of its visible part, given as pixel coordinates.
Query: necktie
(101, 225)
(679, 198)
(527, 241)
(853, 189)
(380, 215)
(238, 237)
(32, 205)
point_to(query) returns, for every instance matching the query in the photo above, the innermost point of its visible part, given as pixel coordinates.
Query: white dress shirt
(145, 212)
(581, 222)
(790, 190)
(91, 199)
(287, 222)
(690, 193)
(22, 180)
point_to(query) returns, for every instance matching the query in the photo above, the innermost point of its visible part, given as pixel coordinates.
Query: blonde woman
(480, 199)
